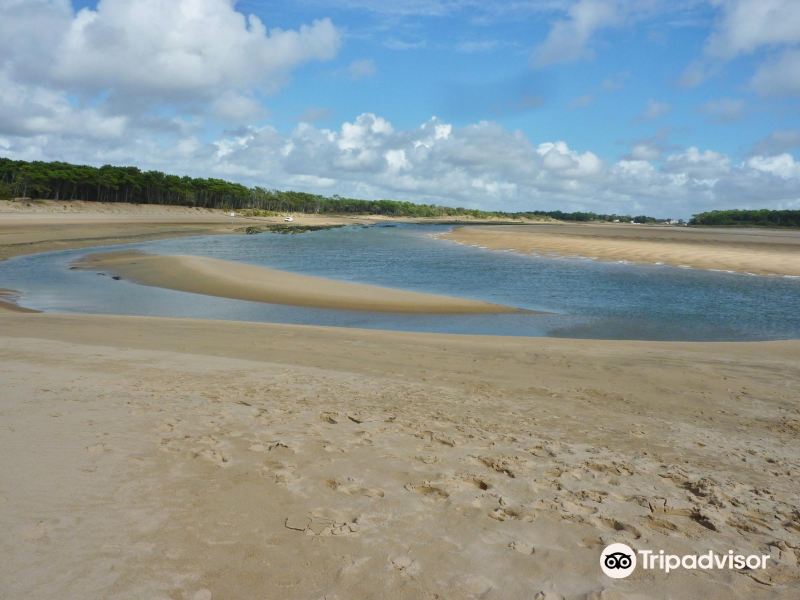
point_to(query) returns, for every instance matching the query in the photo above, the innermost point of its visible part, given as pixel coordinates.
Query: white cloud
(783, 165)
(705, 166)
(568, 38)
(149, 52)
(238, 108)
(746, 25)
(645, 152)
(779, 77)
(359, 69)
(29, 110)
(557, 156)
(183, 47)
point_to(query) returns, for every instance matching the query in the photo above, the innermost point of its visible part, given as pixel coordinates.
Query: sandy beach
(47, 225)
(188, 459)
(167, 458)
(757, 251)
(214, 277)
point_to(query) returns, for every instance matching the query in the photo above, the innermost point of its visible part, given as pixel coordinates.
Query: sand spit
(228, 279)
(165, 458)
(755, 251)
(47, 225)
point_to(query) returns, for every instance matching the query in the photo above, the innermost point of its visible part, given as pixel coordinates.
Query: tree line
(760, 218)
(64, 181)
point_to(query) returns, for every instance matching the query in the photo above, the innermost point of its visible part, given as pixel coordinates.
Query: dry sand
(757, 251)
(228, 279)
(163, 458)
(46, 225)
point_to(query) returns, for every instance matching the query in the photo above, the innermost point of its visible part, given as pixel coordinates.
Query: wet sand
(8, 301)
(166, 458)
(757, 251)
(229, 279)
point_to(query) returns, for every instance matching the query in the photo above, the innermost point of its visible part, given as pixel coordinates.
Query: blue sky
(666, 107)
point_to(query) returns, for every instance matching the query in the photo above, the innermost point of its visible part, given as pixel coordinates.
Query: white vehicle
(288, 219)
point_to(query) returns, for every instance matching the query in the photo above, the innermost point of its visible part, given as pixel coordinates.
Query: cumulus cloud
(783, 165)
(703, 166)
(116, 69)
(150, 47)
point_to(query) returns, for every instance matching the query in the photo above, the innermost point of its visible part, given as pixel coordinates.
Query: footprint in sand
(353, 489)
(522, 547)
(429, 491)
(502, 464)
(505, 513)
(615, 525)
(282, 473)
(405, 565)
(212, 455)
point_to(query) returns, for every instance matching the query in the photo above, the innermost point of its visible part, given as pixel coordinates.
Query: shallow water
(585, 298)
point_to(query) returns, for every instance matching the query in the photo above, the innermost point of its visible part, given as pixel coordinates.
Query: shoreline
(8, 301)
(241, 281)
(763, 252)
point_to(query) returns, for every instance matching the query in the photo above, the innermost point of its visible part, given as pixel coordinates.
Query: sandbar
(755, 251)
(241, 281)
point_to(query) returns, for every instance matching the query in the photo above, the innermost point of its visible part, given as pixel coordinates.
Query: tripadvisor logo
(619, 560)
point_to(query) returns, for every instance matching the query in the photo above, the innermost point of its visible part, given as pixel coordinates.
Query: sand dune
(164, 458)
(761, 252)
(213, 277)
